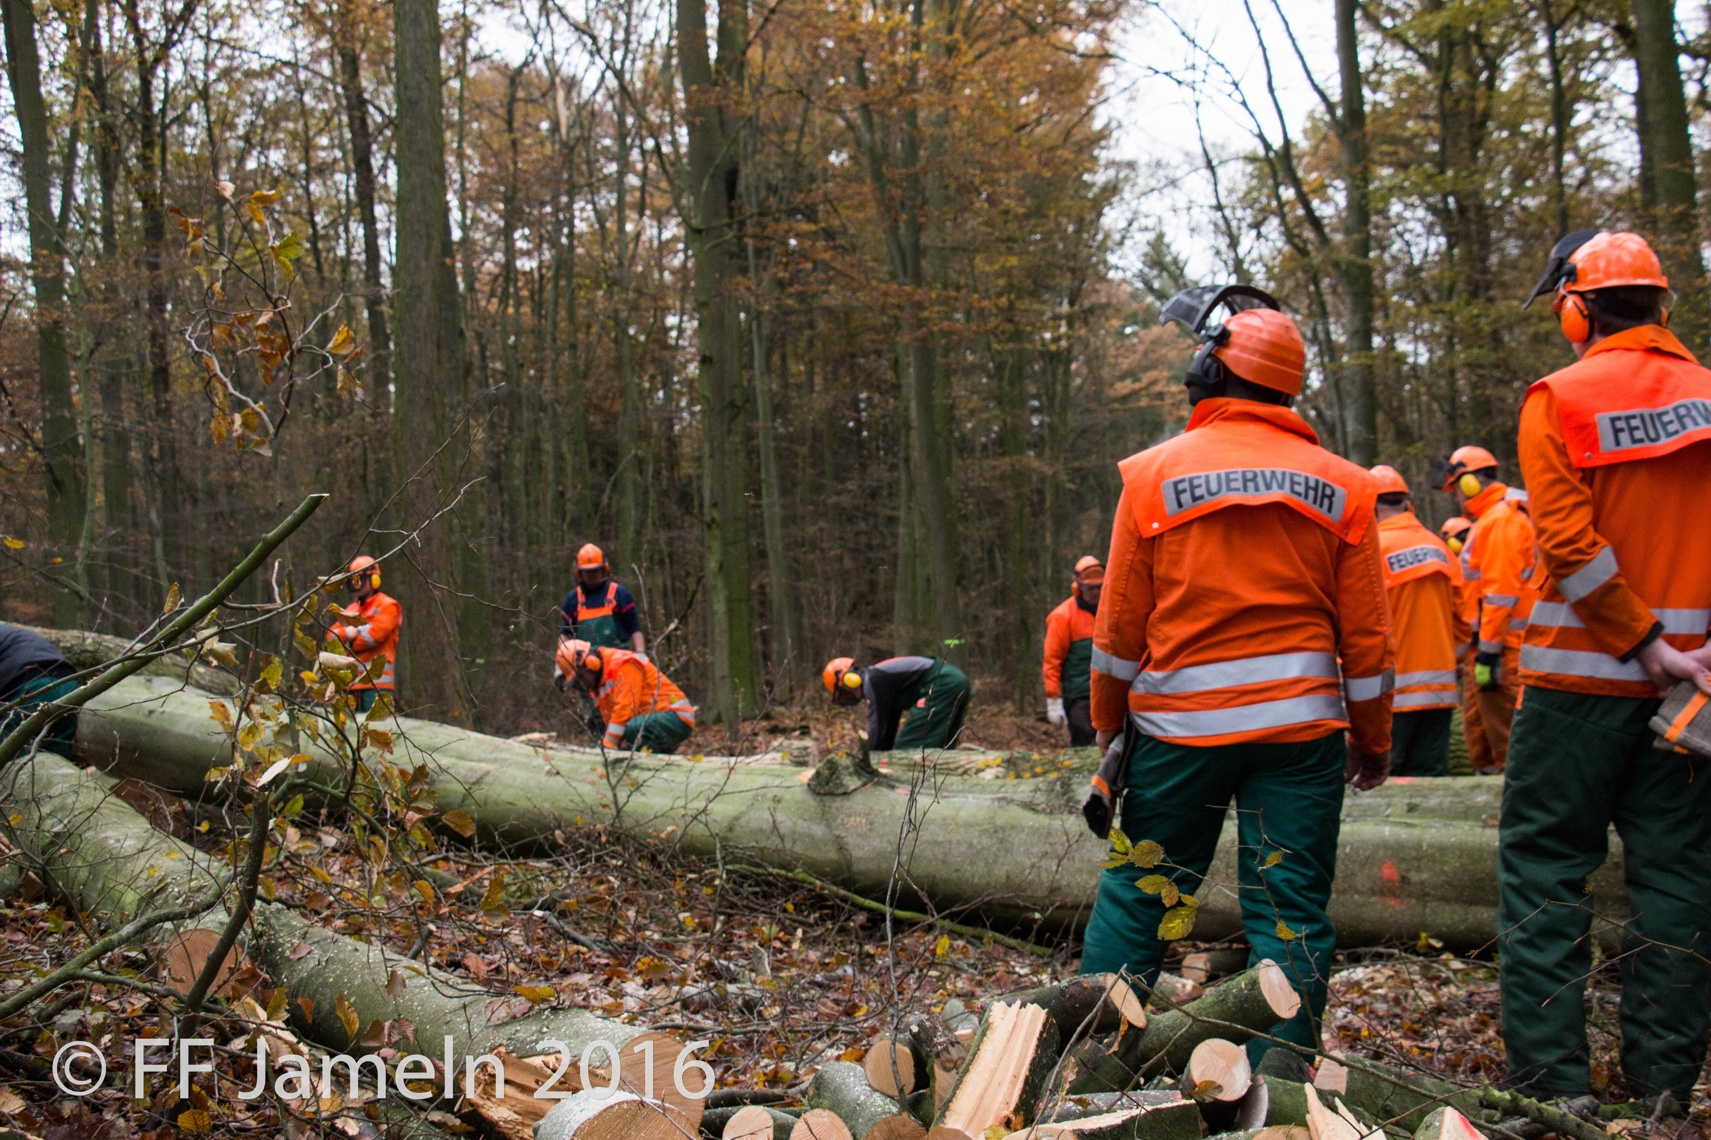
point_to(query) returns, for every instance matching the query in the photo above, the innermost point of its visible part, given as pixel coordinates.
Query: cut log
(112, 865)
(755, 1122)
(1415, 856)
(1273, 1102)
(841, 1088)
(595, 1115)
(1217, 1070)
(940, 1052)
(1153, 1115)
(1009, 1059)
(899, 1127)
(1384, 1092)
(1325, 1123)
(1252, 1001)
(1092, 1004)
(1447, 1124)
(820, 1124)
(1277, 1132)
(891, 1067)
(1206, 966)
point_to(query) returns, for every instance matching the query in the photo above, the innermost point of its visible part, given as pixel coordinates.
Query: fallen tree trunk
(1415, 858)
(113, 865)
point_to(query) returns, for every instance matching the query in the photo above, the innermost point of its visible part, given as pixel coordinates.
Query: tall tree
(711, 86)
(427, 364)
(62, 447)
(1669, 187)
(1360, 399)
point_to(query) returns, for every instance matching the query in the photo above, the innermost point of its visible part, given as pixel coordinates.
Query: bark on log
(1090, 1005)
(110, 863)
(841, 1087)
(1415, 855)
(1273, 1102)
(1149, 1114)
(1395, 1096)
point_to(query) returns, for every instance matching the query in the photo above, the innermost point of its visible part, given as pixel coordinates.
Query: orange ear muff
(1469, 484)
(1573, 319)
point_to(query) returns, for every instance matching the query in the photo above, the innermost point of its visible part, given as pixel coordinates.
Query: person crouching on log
(930, 689)
(1244, 564)
(34, 672)
(643, 710)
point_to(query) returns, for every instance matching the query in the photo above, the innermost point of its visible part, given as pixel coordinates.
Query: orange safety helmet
(1454, 532)
(840, 671)
(576, 652)
(1089, 569)
(590, 557)
(363, 562)
(1589, 260)
(1265, 348)
(1465, 461)
(1389, 480)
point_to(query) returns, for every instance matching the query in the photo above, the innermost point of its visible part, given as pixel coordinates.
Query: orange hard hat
(361, 562)
(1612, 260)
(840, 671)
(1265, 348)
(1390, 480)
(590, 557)
(369, 570)
(576, 652)
(1467, 459)
(1455, 527)
(1089, 569)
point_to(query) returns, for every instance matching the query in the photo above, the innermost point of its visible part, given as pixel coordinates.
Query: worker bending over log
(32, 673)
(1244, 564)
(933, 692)
(1500, 558)
(1615, 450)
(1421, 577)
(642, 709)
(1068, 657)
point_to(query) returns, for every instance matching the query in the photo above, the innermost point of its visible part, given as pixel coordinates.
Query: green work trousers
(658, 732)
(936, 711)
(61, 736)
(1289, 800)
(1420, 743)
(1578, 764)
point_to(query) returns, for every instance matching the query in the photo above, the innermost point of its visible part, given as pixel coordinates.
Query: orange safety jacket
(1243, 566)
(1616, 449)
(1421, 578)
(1069, 642)
(1467, 605)
(1500, 557)
(375, 633)
(632, 686)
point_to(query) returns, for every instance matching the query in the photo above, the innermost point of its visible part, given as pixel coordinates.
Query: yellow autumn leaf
(195, 1120)
(536, 994)
(1152, 884)
(1273, 859)
(343, 342)
(272, 673)
(1146, 854)
(1284, 932)
(264, 197)
(14, 543)
(222, 714)
(1119, 841)
(171, 599)
(493, 899)
(942, 947)
(460, 822)
(424, 889)
(1177, 923)
(347, 1015)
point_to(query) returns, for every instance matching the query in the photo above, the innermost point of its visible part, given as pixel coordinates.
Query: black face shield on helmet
(1191, 309)
(1558, 269)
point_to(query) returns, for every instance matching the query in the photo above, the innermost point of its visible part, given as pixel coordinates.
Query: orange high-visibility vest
(1500, 557)
(632, 686)
(1616, 449)
(1243, 567)
(375, 633)
(1421, 577)
(1069, 642)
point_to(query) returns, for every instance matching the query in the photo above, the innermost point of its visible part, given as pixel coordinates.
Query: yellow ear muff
(374, 580)
(1455, 545)
(851, 680)
(1469, 484)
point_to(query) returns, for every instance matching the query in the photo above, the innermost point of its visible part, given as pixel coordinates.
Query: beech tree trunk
(1359, 385)
(1415, 857)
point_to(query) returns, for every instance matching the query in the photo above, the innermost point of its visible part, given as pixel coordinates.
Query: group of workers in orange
(1273, 623)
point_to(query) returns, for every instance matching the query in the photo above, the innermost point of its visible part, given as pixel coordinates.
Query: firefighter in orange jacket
(1454, 533)
(1500, 557)
(1243, 649)
(643, 710)
(1068, 658)
(372, 633)
(1615, 449)
(1421, 578)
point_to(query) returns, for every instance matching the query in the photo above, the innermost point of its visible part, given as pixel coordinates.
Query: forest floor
(779, 977)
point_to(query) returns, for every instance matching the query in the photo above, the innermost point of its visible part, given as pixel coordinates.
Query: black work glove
(1487, 670)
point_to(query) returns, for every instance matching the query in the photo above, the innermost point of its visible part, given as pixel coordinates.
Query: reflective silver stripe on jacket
(1469, 574)
(1241, 718)
(1426, 677)
(1503, 599)
(1579, 663)
(1684, 622)
(1490, 646)
(1588, 578)
(1369, 688)
(1425, 698)
(1517, 623)
(1116, 667)
(1228, 674)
